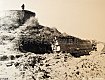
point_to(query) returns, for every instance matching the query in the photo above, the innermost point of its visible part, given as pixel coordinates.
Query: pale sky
(81, 18)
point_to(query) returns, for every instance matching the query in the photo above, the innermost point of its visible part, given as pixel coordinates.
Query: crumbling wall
(75, 46)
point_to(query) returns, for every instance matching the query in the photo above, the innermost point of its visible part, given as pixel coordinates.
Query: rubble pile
(56, 66)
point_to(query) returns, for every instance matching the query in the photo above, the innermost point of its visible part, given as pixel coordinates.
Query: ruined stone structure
(73, 45)
(40, 39)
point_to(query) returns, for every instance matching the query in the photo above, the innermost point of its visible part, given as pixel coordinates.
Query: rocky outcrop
(11, 19)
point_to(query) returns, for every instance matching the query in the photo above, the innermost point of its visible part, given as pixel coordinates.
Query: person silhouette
(23, 6)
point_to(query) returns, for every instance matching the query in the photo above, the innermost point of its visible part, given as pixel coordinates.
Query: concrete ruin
(40, 39)
(73, 45)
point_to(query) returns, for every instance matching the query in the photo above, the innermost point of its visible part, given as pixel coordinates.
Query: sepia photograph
(52, 40)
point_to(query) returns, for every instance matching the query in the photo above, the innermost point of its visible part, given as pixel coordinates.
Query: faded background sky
(81, 18)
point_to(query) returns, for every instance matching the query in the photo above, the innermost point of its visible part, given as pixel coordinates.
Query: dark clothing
(23, 6)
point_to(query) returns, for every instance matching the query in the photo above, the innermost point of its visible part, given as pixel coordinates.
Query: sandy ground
(57, 66)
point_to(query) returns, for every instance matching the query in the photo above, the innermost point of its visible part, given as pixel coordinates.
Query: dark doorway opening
(38, 47)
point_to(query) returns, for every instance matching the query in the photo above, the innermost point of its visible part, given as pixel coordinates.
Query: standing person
(23, 6)
(23, 13)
